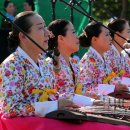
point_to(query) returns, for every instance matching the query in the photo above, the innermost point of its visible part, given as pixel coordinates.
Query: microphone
(126, 45)
(56, 62)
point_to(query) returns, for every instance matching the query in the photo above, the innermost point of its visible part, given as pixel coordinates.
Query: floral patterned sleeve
(115, 66)
(127, 63)
(87, 76)
(15, 102)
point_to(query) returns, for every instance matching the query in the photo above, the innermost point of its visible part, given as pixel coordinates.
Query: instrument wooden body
(77, 117)
(121, 95)
(117, 111)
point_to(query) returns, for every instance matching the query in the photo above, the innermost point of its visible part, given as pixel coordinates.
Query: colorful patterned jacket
(23, 82)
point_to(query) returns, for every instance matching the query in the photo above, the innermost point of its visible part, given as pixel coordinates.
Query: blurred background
(101, 10)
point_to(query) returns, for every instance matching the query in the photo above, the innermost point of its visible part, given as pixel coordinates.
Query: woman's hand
(121, 87)
(66, 103)
(92, 95)
(98, 103)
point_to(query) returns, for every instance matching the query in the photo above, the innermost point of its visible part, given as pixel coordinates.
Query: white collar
(114, 48)
(123, 52)
(92, 49)
(24, 54)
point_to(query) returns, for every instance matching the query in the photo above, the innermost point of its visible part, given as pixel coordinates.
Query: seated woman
(65, 40)
(119, 61)
(27, 81)
(94, 69)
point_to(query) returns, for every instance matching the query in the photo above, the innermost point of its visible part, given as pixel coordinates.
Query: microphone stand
(90, 6)
(72, 12)
(19, 29)
(85, 13)
(53, 2)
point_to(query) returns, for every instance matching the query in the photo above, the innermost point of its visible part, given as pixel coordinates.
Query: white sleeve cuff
(105, 89)
(42, 108)
(82, 100)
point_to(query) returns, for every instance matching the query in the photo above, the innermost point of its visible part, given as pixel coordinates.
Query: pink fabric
(36, 123)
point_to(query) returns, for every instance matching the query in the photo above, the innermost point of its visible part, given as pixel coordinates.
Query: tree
(124, 9)
(106, 9)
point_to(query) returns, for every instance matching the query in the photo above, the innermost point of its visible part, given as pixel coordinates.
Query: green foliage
(106, 9)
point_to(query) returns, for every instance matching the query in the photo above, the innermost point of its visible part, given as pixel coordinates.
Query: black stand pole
(90, 8)
(72, 15)
(53, 2)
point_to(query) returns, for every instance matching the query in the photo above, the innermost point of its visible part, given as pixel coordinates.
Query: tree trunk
(124, 11)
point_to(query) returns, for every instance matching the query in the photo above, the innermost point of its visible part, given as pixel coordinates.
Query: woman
(65, 40)
(119, 64)
(94, 69)
(10, 9)
(29, 5)
(5, 29)
(27, 81)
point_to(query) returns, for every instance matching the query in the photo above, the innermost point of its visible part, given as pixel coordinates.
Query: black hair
(57, 27)
(23, 22)
(117, 25)
(31, 3)
(92, 29)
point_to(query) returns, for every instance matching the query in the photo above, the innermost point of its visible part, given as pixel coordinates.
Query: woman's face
(71, 41)
(104, 40)
(10, 8)
(39, 33)
(125, 33)
(27, 7)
